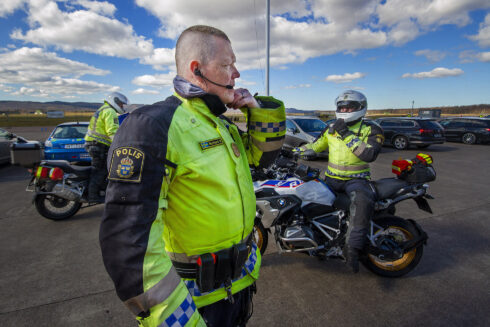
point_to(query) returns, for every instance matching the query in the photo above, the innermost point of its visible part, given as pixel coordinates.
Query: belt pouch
(240, 255)
(205, 273)
(223, 267)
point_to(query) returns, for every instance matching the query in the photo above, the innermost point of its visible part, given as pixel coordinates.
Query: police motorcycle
(304, 215)
(60, 188)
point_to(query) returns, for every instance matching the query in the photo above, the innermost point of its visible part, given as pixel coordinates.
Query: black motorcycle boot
(96, 176)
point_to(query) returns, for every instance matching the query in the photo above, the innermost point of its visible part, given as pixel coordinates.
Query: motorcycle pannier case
(420, 173)
(26, 154)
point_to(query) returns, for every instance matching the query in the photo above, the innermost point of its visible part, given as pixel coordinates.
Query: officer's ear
(195, 67)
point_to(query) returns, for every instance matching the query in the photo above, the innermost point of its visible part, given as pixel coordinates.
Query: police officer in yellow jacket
(352, 144)
(176, 235)
(101, 130)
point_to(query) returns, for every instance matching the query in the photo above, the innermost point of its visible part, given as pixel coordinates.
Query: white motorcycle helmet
(118, 101)
(351, 99)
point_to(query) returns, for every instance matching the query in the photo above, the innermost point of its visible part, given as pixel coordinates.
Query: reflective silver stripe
(360, 149)
(155, 295)
(184, 258)
(99, 136)
(348, 168)
(267, 146)
(365, 174)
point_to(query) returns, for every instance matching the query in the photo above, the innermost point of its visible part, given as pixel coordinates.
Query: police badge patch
(126, 165)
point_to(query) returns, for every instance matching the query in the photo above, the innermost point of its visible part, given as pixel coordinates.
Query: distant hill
(31, 106)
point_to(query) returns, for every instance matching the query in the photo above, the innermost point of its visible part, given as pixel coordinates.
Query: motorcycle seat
(67, 167)
(387, 187)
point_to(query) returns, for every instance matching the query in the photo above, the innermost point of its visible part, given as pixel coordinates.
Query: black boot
(352, 258)
(96, 177)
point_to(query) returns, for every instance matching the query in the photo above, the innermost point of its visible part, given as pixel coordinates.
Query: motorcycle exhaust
(70, 194)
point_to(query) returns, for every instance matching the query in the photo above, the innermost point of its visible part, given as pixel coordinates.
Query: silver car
(6, 139)
(302, 130)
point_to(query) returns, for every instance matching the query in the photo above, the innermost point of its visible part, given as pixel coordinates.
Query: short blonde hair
(196, 43)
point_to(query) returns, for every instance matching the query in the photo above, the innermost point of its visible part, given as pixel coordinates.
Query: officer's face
(221, 69)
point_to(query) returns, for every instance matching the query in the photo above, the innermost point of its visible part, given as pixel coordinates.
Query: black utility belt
(215, 269)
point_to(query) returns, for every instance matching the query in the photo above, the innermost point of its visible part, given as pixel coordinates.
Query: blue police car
(66, 142)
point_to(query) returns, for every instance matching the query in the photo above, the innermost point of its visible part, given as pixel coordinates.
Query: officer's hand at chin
(341, 128)
(243, 98)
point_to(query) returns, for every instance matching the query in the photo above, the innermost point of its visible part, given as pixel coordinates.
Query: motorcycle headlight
(48, 144)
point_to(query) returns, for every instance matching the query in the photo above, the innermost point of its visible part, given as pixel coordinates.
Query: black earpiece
(197, 72)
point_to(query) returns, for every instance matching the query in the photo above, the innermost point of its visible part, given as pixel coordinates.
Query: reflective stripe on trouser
(248, 268)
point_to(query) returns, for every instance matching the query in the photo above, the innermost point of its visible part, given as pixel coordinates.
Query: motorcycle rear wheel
(398, 230)
(55, 208)
(260, 236)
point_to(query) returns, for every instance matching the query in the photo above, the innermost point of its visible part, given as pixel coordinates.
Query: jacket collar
(188, 90)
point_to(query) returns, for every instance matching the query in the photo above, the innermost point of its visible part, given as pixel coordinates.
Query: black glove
(340, 127)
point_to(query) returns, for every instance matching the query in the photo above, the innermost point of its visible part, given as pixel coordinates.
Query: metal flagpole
(267, 44)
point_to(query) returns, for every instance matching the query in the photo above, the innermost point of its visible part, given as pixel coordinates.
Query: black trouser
(361, 208)
(225, 314)
(98, 174)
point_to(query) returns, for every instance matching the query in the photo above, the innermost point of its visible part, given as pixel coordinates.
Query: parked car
(301, 130)
(6, 139)
(66, 142)
(467, 130)
(401, 132)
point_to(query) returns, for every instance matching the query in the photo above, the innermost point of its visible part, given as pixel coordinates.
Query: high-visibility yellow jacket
(348, 158)
(180, 186)
(103, 125)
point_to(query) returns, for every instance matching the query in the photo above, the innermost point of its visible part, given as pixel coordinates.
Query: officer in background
(101, 130)
(177, 232)
(352, 143)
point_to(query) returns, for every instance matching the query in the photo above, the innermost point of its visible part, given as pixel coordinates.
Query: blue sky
(432, 52)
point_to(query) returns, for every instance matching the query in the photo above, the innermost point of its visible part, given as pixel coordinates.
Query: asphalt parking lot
(52, 273)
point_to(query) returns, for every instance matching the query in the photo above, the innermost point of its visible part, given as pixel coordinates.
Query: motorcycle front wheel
(55, 208)
(260, 235)
(398, 230)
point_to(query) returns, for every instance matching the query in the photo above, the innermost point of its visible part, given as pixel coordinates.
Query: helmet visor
(348, 106)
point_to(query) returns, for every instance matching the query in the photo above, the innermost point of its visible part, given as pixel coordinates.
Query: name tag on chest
(206, 145)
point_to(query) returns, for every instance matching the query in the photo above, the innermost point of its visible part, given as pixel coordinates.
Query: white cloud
(241, 82)
(346, 78)
(31, 92)
(45, 73)
(299, 86)
(471, 56)
(436, 72)
(313, 28)
(483, 36)
(159, 80)
(431, 55)
(145, 91)
(160, 59)
(405, 20)
(82, 30)
(9, 6)
(103, 8)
